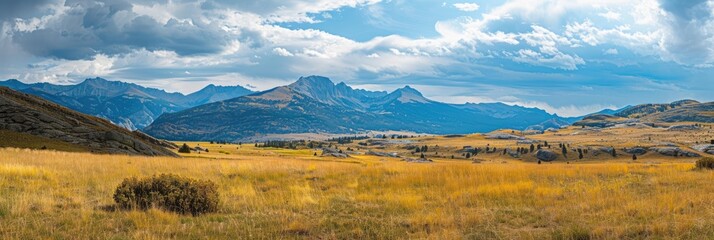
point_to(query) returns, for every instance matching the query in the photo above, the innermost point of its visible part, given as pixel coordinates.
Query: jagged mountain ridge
(316, 105)
(129, 105)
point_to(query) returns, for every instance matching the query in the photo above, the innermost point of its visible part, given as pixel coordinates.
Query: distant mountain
(316, 105)
(554, 123)
(690, 112)
(125, 104)
(213, 93)
(647, 109)
(679, 111)
(29, 120)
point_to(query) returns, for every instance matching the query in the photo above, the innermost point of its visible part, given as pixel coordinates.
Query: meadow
(269, 193)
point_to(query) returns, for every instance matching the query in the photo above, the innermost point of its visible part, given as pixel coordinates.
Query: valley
(289, 163)
(379, 192)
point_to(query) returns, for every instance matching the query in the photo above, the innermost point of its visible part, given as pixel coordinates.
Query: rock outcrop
(674, 152)
(705, 148)
(546, 155)
(331, 152)
(28, 114)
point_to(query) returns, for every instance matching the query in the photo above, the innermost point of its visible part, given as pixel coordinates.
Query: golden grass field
(271, 193)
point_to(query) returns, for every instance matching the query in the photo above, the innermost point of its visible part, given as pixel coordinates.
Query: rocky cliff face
(24, 113)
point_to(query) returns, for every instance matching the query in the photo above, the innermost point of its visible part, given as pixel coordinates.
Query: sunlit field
(277, 193)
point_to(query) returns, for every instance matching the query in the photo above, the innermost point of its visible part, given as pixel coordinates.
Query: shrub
(705, 163)
(169, 192)
(185, 149)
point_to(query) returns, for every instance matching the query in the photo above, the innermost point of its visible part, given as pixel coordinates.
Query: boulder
(382, 154)
(546, 155)
(503, 136)
(674, 152)
(636, 150)
(418, 160)
(330, 152)
(705, 148)
(682, 127)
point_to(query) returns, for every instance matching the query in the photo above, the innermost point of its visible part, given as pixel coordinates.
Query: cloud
(689, 38)
(611, 51)
(282, 52)
(566, 110)
(287, 10)
(110, 28)
(466, 7)
(610, 15)
(518, 48)
(18, 9)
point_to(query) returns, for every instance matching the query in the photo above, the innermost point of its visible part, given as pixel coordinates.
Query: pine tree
(422, 156)
(565, 152)
(185, 149)
(468, 155)
(634, 157)
(532, 148)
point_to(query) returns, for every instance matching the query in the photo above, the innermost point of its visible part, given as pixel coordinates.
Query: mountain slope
(679, 111)
(316, 105)
(30, 115)
(125, 104)
(647, 109)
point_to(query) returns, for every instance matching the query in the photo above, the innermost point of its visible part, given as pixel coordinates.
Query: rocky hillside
(679, 111)
(30, 115)
(643, 110)
(128, 105)
(317, 105)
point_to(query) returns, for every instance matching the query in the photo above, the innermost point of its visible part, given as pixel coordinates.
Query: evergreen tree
(565, 152)
(185, 149)
(532, 148)
(634, 157)
(468, 155)
(422, 156)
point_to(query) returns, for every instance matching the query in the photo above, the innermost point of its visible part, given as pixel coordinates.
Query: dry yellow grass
(275, 193)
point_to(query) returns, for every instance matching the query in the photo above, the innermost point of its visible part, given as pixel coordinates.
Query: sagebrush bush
(705, 163)
(169, 192)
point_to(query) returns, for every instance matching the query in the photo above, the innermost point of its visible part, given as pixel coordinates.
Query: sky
(569, 57)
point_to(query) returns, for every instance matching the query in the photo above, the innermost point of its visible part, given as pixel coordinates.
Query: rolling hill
(128, 105)
(29, 121)
(316, 105)
(678, 111)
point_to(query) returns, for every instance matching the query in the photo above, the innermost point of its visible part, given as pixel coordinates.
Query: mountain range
(125, 104)
(315, 104)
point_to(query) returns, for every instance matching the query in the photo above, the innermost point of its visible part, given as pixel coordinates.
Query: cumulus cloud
(17, 9)
(466, 7)
(90, 28)
(689, 39)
